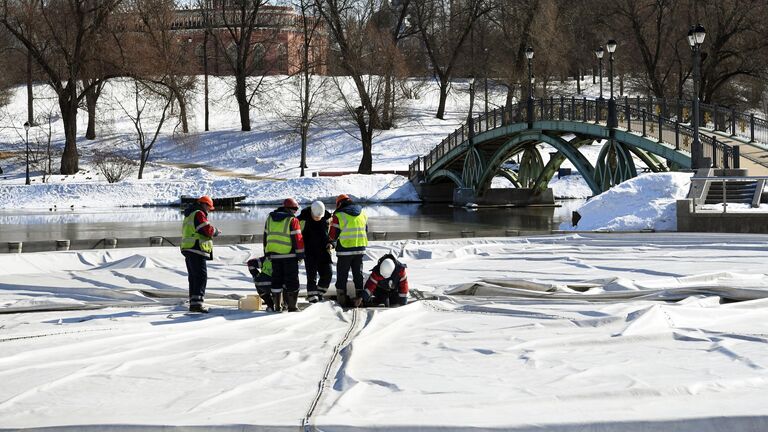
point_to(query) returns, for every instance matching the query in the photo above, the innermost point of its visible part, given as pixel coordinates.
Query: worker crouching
(387, 285)
(261, 271)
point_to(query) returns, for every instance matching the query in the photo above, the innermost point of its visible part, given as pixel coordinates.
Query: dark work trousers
(389, 298)
(285, 274)
(198, 277)
(318, 264)
(343, 265)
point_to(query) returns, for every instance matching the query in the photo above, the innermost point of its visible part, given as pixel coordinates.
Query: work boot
(291, 298)
(312, 298)
(197, 307)
(267, 298)
(321, 294)
(276, 302)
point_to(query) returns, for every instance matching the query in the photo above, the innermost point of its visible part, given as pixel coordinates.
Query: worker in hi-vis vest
(284, 246)
(261, 270)
(349, 235)
(197, 235)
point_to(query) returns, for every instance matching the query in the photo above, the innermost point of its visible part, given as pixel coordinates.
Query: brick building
(277, 40)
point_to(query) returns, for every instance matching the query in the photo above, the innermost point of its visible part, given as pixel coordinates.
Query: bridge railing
(714, 117)
(661, 128)
(640, 115)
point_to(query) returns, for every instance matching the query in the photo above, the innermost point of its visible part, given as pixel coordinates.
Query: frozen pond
(131, 222)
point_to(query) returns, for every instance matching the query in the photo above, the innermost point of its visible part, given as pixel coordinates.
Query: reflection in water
(165, 221)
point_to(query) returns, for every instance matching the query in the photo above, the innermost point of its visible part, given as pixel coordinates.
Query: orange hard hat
(205, 199)
(290, 203)
(340, 199)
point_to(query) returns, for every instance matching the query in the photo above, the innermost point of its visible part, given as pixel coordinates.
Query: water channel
(135, 222)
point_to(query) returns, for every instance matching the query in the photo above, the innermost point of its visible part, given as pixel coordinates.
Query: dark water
(135, 222)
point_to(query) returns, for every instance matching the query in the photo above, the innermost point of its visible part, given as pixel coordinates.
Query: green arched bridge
(655, 131)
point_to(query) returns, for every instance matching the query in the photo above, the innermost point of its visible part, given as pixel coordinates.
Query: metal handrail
(647, 110)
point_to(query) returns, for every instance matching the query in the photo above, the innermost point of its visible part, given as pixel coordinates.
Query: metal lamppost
(529, 56)
(695, 39)
(304, 127)
(612, 120)
(485, 80)
(471, 98)
(599, 54)
(26, 129)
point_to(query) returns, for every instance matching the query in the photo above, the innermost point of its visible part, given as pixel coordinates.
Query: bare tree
(63, 38)
(348, 21)
(158, 54)
(444, 26)
(147, 109)
(240, 28)
(310, 88)
(736, 45)
(653, 28)
(514, 21)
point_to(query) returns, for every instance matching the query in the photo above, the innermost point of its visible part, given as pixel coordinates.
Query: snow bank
(645, 202)
(373, 188)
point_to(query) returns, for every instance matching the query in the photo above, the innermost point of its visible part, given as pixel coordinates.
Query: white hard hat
(318, 209)
(387, 267)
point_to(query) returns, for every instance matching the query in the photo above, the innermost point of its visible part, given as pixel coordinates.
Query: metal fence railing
(663, 120)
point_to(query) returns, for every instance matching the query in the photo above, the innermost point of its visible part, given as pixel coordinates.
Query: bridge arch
(516, 143)
(473, 154)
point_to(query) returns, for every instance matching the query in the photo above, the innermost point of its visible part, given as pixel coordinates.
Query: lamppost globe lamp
(471, 97)
(696, 37)
(529, 110)
(612, 119)
(599, 54)
(699, 33)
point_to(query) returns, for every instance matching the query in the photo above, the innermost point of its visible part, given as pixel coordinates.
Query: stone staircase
(740, 192)
(717, 186)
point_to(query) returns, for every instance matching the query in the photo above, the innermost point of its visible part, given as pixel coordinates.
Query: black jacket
(315, 233)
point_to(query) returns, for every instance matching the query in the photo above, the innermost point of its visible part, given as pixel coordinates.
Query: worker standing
(284, 245)
(314, 222)
(197, 247)
(387, 285)
(349, 235)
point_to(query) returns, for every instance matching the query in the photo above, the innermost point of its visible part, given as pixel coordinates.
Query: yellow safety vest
(193, 241)
(279, 244)
(352, 233)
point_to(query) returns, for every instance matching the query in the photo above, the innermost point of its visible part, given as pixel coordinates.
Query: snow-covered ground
(271, 150)
(608, 332)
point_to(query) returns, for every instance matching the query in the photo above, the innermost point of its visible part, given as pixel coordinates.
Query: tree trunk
(578, 81)
(142, 162)
(183, 113)
(443, 97)
(68, 106)
(386, 116)
(242, 102)
(366, 163)
(91, 97)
